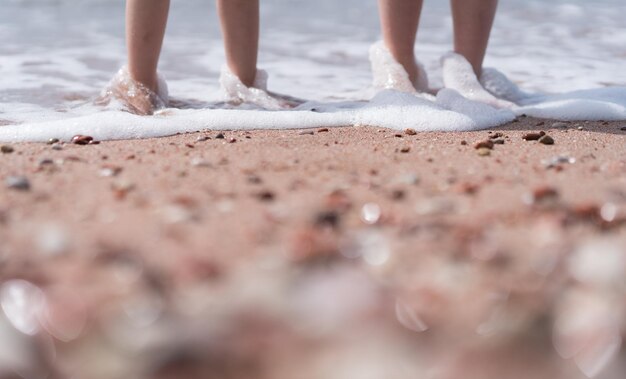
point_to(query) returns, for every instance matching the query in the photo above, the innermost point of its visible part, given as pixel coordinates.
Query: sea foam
(466, 103)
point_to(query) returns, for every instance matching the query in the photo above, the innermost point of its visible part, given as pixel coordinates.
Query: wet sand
(255, 238)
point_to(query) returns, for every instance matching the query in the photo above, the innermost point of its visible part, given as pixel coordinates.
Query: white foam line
(389, 109)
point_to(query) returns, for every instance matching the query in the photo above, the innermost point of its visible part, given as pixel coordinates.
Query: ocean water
(57, 55)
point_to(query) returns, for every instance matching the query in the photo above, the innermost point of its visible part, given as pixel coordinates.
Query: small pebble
(398, 135)
(496, 135)
(410, 132)
(232, 140)
(533, 136)
(220, 136)
(546, 140)
(541, 123)
(19, 183)
(6, 149)
(46, 162)
(580, 128)
(199, 162)
(202, 139)
(327, 218)
(398, 194)
(623, 129)
(57, 146)
(484, 152)
(254, 179)
(109, 171)
(81, 140)
(557, 161)
(52, 141)
(405, 150)
(306, 133)
(121, 188)
(587, 211)
(464, 142)
(543, 194)
(498, 141)
(468, 188)
(266, 196)
(487, 144)
(323, 130)
(560, 125)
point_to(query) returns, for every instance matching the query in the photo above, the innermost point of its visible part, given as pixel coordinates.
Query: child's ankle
(410, 66)
(150, 82)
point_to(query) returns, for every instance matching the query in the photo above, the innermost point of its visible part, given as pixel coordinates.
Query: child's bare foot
(408, 76)
(459, 75)
(134, 96)
(237, 92)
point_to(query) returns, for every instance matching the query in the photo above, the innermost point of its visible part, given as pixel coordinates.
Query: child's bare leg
(145, 28)
(400, 20)
(240, 27)
(473, 20)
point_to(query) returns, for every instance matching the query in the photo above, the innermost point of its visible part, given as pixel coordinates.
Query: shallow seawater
(57, 55)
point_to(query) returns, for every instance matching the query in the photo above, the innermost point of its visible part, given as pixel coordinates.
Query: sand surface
(278, 251)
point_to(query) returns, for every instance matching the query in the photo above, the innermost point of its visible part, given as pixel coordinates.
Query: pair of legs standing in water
(146, 22)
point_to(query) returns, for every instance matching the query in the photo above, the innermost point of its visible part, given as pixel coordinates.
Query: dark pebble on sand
(496, 135)
(266, 196)
(468, 188)
(487, 144)
(544, 193)
(533, 136)
(398, 194)
(202, 139)
(220, 136)
(190, 145)
(623, 128)
(546, 140)
(410, 132)
(94, 142)
(81, 140)
(52, 141)
(306, 133)
(327, 218)
(6, 149)
(254, 179)
(463, 142)
(405, 150)
(19, 183)
(323, 130)
(588, 211)
(398, 135)
(232, 140)
(498, 141)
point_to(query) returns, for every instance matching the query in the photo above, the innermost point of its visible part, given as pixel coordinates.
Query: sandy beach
(287, 253)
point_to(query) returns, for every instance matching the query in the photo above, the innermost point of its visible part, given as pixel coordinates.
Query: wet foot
(459, 75)
(134, 97)
(405, 76)
(238, 93)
